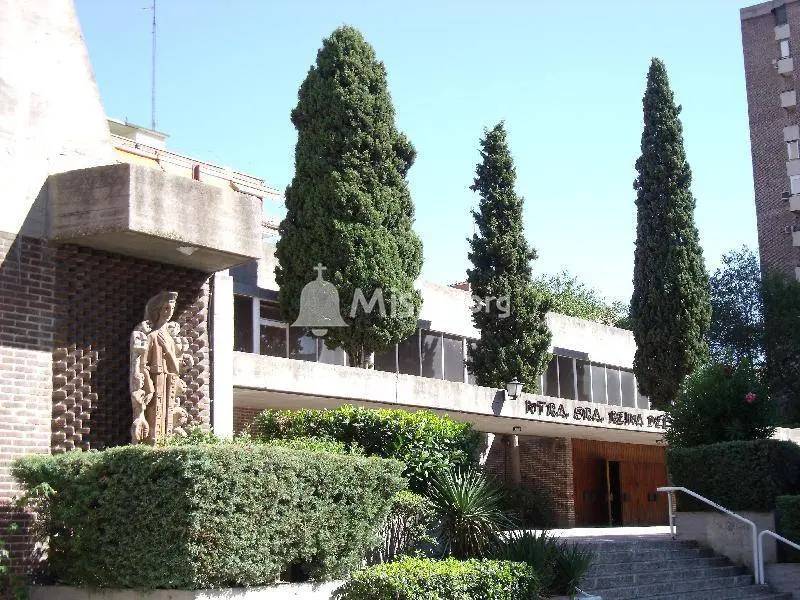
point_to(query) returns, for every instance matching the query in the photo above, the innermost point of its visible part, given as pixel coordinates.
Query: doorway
(614, 492)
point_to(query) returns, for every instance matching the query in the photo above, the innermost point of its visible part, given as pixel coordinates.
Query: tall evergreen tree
(670, 308)
(348, 205)
(514, 343)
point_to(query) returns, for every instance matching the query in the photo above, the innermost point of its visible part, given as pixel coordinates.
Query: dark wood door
(641, 504)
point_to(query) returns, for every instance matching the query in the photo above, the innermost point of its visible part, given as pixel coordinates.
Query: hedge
(424, 441)
(451, 579)
(190, 517)
(788, 524)
(743, 475)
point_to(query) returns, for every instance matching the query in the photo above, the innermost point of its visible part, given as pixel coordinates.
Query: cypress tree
(348, 205)
(514, 343)
(670, 308)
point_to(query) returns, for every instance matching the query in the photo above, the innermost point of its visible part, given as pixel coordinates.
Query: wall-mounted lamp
(516, 429)
(186, 250)
(514, 388)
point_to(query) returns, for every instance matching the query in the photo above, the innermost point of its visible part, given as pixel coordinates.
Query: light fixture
(187, 250)
(514, 388)
(516, 429)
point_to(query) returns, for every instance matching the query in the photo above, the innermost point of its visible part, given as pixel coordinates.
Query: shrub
(572, 562)
(405, 529)
(427, 579)
(468, 508)
(531, 507)
(736, 475)
(207, 515)
(721, 404)
(425, 442)
(788, 524)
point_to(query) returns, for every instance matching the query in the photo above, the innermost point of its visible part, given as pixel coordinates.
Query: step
(647, 554)
(678, 564)
(674, 587)
(657, 575)
(754, 592)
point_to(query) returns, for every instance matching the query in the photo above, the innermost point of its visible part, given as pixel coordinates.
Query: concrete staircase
(658, 568)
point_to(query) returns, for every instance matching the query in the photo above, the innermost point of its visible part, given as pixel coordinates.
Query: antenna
(153, 80)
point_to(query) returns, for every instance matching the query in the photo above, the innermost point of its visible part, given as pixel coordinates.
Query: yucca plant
(539, 550)
(468, 507)
(571, 565)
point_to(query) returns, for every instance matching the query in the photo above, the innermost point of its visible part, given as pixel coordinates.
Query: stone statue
(156, 369)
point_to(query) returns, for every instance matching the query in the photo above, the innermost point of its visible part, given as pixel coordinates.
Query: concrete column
(222, 354)
(516, 469)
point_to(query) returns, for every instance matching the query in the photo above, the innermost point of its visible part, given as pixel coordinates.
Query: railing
(670, 491)
(760, 578)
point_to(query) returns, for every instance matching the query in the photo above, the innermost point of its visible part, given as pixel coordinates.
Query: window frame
(787, 45)
(793, 149)
(794, 184)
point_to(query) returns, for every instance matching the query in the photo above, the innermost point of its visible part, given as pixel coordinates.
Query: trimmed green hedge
(424, 441)
(746, 475)
(788, 517)
(451, 579)
(208, 515)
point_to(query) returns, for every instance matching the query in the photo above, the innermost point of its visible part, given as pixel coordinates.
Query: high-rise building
(770, 35)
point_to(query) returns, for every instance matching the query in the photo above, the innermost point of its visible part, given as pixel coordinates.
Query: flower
(750, 397)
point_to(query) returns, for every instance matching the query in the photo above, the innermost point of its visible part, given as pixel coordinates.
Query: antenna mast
(153, 80)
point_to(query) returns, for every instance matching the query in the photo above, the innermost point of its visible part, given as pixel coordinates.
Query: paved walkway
(611, 533)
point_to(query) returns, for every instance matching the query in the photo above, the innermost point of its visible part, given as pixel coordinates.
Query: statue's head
(160, 308)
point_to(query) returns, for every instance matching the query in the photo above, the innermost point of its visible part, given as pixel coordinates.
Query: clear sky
(567, 78)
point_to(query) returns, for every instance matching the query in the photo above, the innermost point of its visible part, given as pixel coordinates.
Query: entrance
(615, 484)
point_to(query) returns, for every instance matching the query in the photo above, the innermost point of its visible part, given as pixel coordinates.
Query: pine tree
(348, 205)
(513, 343)
(670, 308)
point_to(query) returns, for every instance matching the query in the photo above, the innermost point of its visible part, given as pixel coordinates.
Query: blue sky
(567, 78)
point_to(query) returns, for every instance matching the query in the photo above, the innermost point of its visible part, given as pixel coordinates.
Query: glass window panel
(302, 345)
(794, 184)
(613, 386)
(328, 356)
(273, 341)
(628, 389)
(242, 323)
(599, 384)
(584, 380)
(566, 381)
(408, 355)
(386, 360)
(432, 355)
(785, 49)
(551, 379)
(270, 311)
(642, 401)
(793, 149)
(471, 376)
(453, 358)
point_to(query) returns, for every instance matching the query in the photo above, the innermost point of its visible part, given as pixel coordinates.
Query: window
(785, 49)
(566, 378)
(551, 378)
(242, 324)
(642, 401)
(628, 389)
(793, 149)
(780, 15)
(471, 376)
(387, 360)
(584, 376)
(328, 356)
(612, 387)
(408, 355)
(453, 349)
(794, 184)
(599, 384)
(432, 355)
(272, 340)
(302, 345)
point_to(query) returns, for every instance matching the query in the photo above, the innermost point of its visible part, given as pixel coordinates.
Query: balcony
(785, 66)
(789, 100)
(141, 211)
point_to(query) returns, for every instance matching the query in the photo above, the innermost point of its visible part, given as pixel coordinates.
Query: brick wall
(545, 463)
(243, 416)
(100, 298)
(767, 120)
(27, 274)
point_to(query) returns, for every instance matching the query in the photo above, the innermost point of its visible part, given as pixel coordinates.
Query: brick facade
(243, 416)
(545, 463)
(100, 298)
(768, 149)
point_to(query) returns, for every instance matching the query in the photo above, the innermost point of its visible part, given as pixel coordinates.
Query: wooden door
(641, 504)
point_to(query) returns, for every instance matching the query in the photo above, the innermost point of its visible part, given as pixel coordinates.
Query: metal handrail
(761, 579)
(671, 490)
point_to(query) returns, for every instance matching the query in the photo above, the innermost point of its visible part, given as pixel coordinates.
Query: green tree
(670, 308)
(348, 206)
(513, 342)
(781, 297)
(737, 315)
(569, 296)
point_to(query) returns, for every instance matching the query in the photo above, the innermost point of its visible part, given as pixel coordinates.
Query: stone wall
(100, 298)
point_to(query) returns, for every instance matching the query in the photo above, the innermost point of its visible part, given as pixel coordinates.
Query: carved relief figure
(156, 369)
